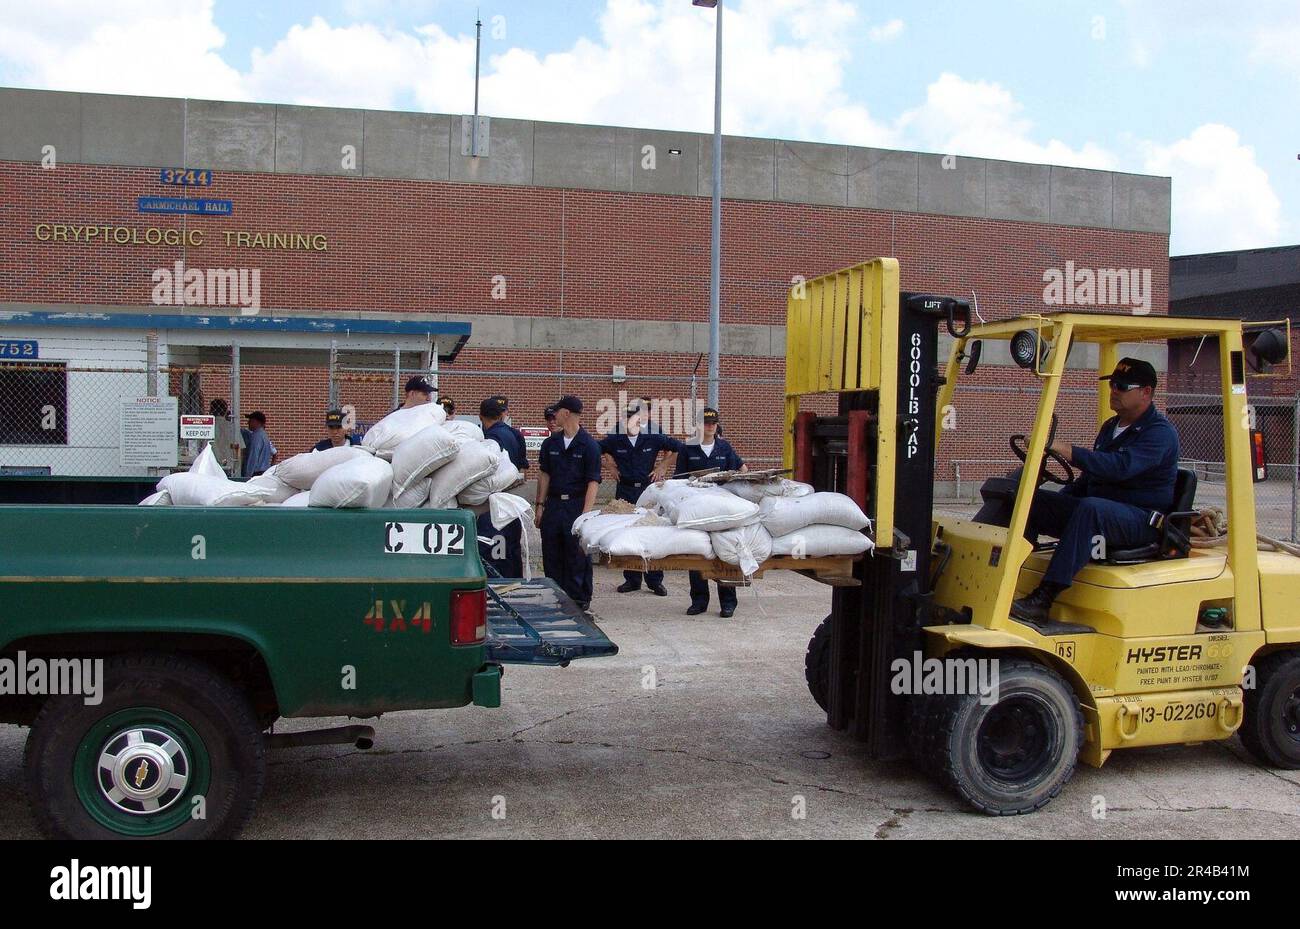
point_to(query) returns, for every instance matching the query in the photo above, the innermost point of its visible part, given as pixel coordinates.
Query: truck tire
(817, 664)
(173, 750)
(1271, 727)
(1015, 755)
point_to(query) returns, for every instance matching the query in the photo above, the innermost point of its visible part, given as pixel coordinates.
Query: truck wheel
(173, 750)
(817, 664)
(1271, 728)
(1015, 755)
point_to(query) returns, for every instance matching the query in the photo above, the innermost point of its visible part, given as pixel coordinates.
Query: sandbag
(301, 471)
(384, 436)
(654, 542)
(747, 547)
(301, 498)
(361, 483)
(189, 489)
(414, 495)
(473, 460)
(649, 499)
(757, 492)
(280, 491)
(206, 464)
(592, 526)
(709, 508)
(501, 479)
(420, 455)
(818, 541)
(503, 509)
(783, 515)
(158, 498)
(462, 430)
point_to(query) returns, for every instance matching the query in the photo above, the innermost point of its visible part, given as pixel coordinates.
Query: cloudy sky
(1205, 93)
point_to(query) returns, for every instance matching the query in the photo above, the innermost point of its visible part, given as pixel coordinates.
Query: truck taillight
(1257, 461)
(468, 617)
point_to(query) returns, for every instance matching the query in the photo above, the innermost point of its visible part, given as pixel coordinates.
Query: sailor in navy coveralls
(569, 461)
(636, 456)
(1127, 483)
(713, 451)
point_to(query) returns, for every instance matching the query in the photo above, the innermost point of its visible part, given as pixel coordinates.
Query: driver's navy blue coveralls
(570, 470)
(1125, 481)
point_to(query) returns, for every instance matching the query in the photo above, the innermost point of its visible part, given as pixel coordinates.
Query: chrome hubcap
(143, 770)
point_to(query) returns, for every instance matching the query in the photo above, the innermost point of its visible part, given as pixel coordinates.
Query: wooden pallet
(836, 571)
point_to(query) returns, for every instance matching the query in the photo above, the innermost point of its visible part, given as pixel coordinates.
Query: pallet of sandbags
(835, 571)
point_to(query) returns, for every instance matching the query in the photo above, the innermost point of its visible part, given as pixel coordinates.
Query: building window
(34, 404)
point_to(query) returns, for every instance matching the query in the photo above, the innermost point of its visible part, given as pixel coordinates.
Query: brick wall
(409, 246)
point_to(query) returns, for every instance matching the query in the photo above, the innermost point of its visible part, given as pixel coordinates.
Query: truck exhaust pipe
(363, 737)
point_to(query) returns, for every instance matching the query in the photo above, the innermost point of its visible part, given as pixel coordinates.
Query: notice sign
(148, 432)
(198, 427)
(534, 436)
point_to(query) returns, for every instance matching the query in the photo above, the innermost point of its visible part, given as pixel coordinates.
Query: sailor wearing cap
(334, 433)
(1125, 488)
(639, 458)
(418, 391)
(712, 451)
(569, 461)
(549, 415)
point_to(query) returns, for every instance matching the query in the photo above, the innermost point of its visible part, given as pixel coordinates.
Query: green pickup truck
(195, 629)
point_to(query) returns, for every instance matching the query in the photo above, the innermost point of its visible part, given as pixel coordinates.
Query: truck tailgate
(534, 622)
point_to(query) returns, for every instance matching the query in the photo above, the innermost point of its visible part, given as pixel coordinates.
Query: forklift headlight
(1269, 347)
(1026, 349)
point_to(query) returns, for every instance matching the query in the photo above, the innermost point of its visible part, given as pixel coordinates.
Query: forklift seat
(1175, 529)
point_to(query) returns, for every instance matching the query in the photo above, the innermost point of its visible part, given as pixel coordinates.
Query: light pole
(715, 246)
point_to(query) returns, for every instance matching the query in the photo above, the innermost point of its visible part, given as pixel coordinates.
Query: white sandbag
(420, 455)
(503, 509)
(188, 489)
(655, 542)
(757, 492)
(783, 515)
(592, 526)
(748, 547)
(384, 436)
(361, 483)
(503, 478)
(709, 508)
(462, 430)
(301, 498)
(649, 499)
(280, 491)
(473, 461)
(415, 495)
(206, 464)
(158, 498)
(301, 471)
(821, 541)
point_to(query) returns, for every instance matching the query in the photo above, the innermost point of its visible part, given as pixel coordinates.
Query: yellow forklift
(1171, 643)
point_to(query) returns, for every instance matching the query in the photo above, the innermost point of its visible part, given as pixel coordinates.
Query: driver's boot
(1035, 607)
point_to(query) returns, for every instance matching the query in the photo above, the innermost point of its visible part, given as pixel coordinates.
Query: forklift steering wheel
(1045, 472)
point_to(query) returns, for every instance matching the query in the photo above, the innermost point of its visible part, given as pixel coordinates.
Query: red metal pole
(859, 463)
(803, 446)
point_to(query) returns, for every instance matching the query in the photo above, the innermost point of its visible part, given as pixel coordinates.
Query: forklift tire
(172, 751)
(923, 729)
(1015, 755)
(817, 664)
(1271, 728)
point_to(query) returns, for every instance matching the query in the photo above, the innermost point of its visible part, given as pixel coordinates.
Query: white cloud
(1222, 198)
(983, 119)
(886, 32)
(127, 47)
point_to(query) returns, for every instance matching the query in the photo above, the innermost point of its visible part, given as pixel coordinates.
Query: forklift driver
(1126, 485)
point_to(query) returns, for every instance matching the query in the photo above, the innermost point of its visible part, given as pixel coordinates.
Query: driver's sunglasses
(1123, 388)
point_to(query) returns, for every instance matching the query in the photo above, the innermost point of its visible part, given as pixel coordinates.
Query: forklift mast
(852, 334)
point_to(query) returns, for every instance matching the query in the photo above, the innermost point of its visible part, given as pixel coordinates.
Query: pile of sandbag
(410, 458)
(742, 523)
